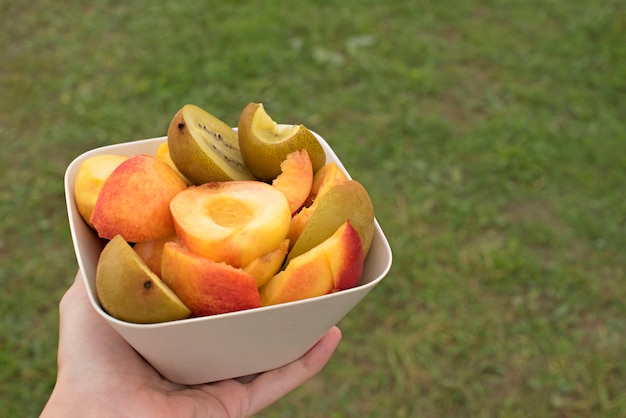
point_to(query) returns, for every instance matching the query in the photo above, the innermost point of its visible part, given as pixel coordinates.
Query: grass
(490, 135)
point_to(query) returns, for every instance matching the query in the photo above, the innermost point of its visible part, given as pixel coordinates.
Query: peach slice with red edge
(266, 266)
(134, 200)
(334, 265)
(129, 291)
(91, 175)
(205, 286)
(295, 179)
(151, 251)
(233, 221)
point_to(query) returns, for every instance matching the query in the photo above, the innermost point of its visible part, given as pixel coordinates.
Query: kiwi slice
(265, 144)
(204, 148)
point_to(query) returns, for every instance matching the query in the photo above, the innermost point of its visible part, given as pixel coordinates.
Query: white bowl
(208, 349)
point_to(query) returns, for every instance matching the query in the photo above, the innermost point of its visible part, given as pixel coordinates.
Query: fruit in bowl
(217, 283)
(265, 144)
(225, 215)
(233, 221)
(129, 291)
(134, 200)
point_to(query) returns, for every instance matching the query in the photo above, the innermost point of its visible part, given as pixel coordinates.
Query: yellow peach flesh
(232, 222)
(265, 267)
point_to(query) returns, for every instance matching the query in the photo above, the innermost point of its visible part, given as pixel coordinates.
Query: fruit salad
(222, 220)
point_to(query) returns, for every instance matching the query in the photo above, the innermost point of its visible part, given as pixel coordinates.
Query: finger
(273, 385)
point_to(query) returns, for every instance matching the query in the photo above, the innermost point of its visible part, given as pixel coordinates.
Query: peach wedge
(334, 265)
(266, 266)
(206, 286)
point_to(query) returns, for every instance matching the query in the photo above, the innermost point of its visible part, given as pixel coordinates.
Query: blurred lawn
(490, 135)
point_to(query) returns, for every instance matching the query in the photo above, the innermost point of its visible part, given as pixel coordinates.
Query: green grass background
(490, 135)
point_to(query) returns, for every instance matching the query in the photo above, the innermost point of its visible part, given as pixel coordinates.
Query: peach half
(335, 264)
(232, 221)
(134, 200)
(205, 286)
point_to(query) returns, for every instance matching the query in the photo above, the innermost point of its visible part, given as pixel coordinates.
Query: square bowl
(207, 349)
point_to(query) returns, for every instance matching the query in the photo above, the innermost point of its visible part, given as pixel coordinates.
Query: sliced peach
(134, 200)
(233, 221)
(266, 266)
(345, 258)
(335, 264)
(326, 178)
(295, 179)
(206, 286)
(307, 277)
(91, 175)
(151, 251)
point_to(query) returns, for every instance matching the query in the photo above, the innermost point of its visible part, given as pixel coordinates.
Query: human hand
(100, 374)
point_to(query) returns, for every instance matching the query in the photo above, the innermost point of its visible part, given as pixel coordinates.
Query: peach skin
(205, 286)
(134, 200)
